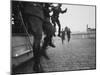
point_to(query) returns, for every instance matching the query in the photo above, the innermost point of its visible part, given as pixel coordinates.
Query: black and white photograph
(52, 37)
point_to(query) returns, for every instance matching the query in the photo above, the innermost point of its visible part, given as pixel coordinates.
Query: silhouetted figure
(35, 18)
(68, 33)
(55, 17)
(63, 36)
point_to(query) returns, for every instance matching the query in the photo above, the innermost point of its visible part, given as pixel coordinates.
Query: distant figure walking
(63, 36)
(68, 31)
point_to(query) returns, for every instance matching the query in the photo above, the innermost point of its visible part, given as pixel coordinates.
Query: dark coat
(32, 8)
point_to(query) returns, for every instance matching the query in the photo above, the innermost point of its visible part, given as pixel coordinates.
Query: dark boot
(44, 54)
(36, 66)
(43, 50)
(52, 45)
(59, 35)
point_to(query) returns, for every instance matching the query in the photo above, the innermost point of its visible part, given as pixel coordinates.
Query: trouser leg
(36, 30)
(58, 23)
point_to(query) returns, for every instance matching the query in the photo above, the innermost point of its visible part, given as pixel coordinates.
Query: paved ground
(78, 54)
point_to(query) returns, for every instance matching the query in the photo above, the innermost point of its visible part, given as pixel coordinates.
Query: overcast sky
(77, 17)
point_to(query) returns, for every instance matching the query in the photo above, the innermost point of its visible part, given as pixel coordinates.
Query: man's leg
(58, 23)
(50, 42)
(36, 28)
(49, 31)
(54, 23)
(69, 37)
(47, 40)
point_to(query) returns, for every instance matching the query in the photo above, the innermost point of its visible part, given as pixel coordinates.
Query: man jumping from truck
(55, 16)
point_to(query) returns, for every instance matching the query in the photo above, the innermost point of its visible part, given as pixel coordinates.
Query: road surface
(78, 54)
